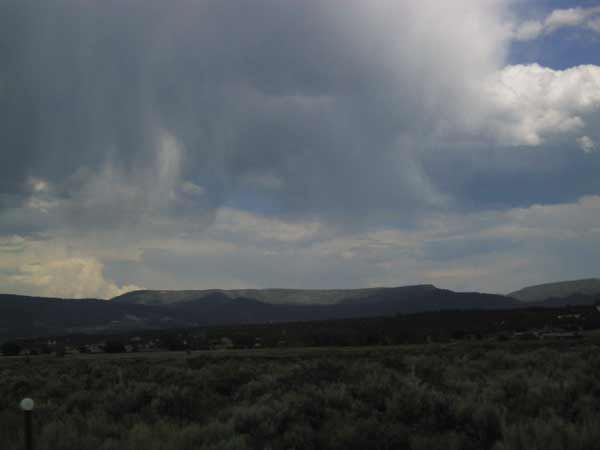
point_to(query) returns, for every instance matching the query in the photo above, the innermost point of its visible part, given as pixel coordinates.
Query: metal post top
(27, 404)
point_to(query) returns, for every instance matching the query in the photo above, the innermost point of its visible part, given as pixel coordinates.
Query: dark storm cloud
(17, 110)
(249, 91)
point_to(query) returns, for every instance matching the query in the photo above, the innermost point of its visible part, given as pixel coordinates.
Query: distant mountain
(272, 296)
(270, 305)
(563, 289)
(22, 316)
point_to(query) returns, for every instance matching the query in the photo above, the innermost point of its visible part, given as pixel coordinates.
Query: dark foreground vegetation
(488, 394)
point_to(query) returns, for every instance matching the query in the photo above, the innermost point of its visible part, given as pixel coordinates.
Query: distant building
(561, 335)
(569, 316)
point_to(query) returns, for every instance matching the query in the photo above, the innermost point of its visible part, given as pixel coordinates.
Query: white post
(27, 405)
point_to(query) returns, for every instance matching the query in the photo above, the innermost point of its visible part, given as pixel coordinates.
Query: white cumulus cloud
(529, 102)
(68, 278)
(49, 268)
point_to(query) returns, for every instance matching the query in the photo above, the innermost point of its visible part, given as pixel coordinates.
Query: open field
(470, 395)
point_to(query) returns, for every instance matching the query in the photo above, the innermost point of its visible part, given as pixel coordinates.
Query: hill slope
(41, 316)
(563, 289)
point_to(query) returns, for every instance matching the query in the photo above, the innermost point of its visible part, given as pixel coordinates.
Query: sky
(195, 144)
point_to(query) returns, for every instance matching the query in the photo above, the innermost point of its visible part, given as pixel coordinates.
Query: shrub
(114, 347)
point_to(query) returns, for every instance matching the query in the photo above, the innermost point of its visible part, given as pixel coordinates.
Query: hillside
(563, 289)
(34, 316)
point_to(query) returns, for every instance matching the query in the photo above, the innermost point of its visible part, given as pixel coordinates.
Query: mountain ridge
(269, 295)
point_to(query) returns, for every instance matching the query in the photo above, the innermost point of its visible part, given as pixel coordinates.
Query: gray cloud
(330, 103)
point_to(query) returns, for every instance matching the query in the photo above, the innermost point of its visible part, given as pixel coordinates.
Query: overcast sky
(190, 144)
